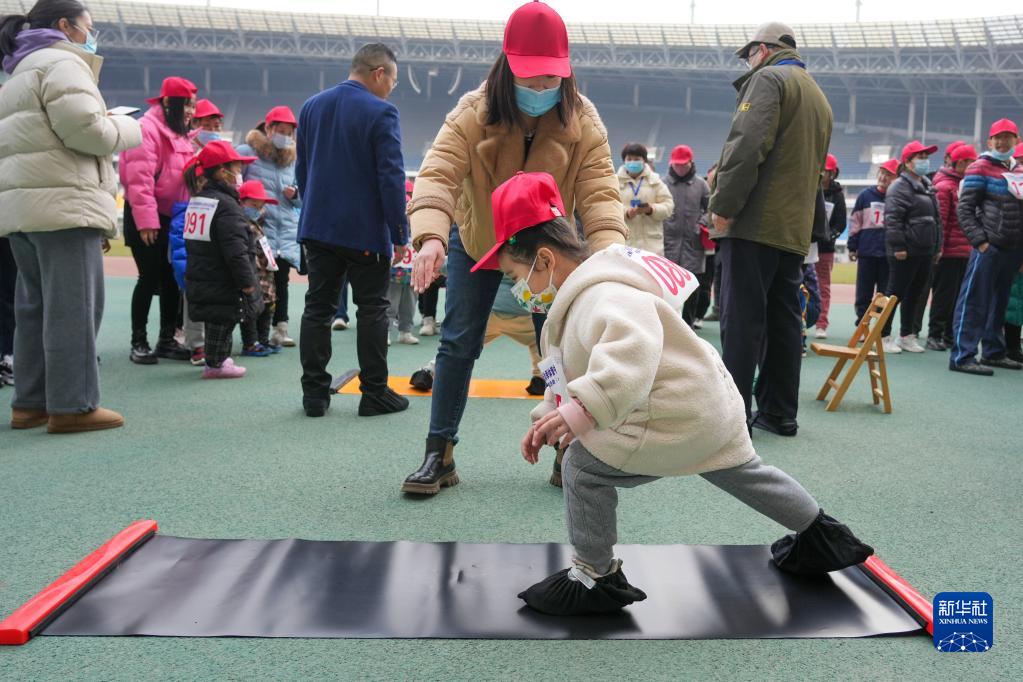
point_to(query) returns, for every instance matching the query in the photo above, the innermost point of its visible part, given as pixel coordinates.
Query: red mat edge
(900, 587)
(26, 620)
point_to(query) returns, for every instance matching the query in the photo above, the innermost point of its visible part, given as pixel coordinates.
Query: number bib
(876, 215)
(199, 218)
(554, 375)
(677, 284)
(1015, 181)
(271, 262)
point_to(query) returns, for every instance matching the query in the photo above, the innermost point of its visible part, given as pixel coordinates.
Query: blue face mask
(1001, 156)
(634, 167)
(922, 166)
(90, 43)
(207, 136)
(282, 141)
(253, 213)
(536, 103)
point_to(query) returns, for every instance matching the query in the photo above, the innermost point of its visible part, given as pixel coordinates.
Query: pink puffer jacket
(152, 174)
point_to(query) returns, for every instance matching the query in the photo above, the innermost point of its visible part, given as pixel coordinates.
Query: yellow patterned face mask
(534, 302)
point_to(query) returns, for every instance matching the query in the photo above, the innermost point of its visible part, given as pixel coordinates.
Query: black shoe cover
(827, 545)
(560, 595)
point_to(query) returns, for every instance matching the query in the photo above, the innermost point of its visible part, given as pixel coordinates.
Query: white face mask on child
(534, 302)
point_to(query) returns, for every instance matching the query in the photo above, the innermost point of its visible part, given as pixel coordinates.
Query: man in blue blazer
(351, 177)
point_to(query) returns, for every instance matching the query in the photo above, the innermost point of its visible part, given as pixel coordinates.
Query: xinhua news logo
(964, 622)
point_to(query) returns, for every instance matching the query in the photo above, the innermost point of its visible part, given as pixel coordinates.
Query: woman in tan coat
(527, 116)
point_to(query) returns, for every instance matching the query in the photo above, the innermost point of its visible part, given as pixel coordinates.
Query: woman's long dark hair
(503, 108)
(44, 14)
(174, 115)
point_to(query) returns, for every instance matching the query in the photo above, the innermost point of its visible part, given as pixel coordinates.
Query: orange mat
(514, 389)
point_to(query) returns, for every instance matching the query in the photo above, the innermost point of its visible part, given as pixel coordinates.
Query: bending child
(636, 395)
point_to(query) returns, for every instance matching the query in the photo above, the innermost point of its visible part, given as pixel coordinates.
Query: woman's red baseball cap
(830, 163)
(281, 115)
(536, 42)
(917, 147)
(217, 153)
(175, 86)
(205, 108)
(254, 189)
(523, 201)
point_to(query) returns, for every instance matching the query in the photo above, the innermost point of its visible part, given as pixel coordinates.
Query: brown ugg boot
(28, 419)
(97, 420)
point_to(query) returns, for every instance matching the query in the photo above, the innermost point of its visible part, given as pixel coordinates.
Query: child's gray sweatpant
(591, 499)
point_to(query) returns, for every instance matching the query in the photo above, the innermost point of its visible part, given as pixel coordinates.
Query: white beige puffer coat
(663, 402)
(56, 145)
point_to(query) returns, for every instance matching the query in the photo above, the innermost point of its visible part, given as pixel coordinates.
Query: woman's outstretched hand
(426, 266)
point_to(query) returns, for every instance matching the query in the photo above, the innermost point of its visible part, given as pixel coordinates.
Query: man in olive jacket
(762, 205)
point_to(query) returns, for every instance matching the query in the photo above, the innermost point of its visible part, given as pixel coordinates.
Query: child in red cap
(256, 330)
(220, 277)
(635, 395)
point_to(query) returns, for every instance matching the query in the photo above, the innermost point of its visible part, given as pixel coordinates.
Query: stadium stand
(659, 84)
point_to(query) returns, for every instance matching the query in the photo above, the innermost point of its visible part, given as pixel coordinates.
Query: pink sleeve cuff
(577, 418)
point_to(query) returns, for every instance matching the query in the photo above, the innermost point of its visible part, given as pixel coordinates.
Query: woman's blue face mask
(634, 167)
(536, 102)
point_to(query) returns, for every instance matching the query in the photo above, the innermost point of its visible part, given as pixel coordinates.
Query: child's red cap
(217, 153)
(175, 86)
(254, 189)
(523, 201)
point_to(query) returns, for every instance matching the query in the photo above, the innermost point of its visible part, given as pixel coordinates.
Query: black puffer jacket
(988, 211)
(836, 226)
(219, 269)
(912, 221)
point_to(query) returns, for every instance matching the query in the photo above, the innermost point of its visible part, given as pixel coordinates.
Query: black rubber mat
(296, 588)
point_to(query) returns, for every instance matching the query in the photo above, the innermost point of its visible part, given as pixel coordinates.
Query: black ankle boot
(826, 545)
(437, 470)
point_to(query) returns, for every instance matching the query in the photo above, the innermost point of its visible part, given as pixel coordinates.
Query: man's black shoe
(437, 470)
(1001, 363)
(776, 425)
(385, 402)
(142, 354)
(536, 386)
(170, 349)
(935, 344)
(315, 407)
(972, 367)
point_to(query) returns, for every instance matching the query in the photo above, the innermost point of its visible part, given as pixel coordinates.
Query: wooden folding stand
(864, 346)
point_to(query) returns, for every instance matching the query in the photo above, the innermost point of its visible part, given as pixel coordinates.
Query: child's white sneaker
(429, 327)
(339, 324)
(890, 345)
(910, 344)
(821, 333)
(407, 339)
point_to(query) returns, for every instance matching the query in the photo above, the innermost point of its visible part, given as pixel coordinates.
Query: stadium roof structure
(976, 58)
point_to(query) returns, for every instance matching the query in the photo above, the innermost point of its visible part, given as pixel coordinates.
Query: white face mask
(534, 302)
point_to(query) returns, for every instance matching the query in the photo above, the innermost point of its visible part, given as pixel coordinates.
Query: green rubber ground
(935, 487)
